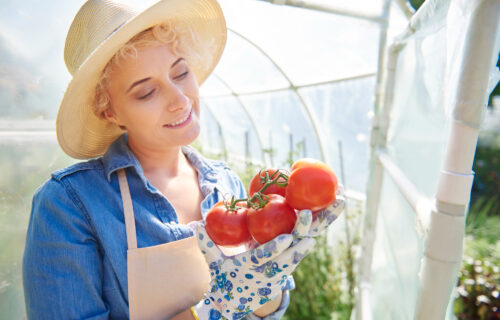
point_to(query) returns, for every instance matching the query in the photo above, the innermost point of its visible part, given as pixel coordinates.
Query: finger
(267, 251)
(207, 246)
(325, 217)
(340, 190)
(304, 219)
(293, 255)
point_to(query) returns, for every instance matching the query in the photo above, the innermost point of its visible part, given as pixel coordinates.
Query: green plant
(477, 294)
(325, 280)
(319, 291)
(486, 187)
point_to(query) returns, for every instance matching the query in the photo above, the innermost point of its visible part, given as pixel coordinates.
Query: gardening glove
(243, 283)
(325, 217)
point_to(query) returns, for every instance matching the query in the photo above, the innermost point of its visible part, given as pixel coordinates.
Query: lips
(180, 122)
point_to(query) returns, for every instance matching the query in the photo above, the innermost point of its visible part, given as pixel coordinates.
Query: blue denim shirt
(75, 259)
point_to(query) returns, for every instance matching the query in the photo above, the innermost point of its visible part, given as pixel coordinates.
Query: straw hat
(99, 30)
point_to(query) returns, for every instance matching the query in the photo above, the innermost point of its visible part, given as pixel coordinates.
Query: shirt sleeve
(62, 267)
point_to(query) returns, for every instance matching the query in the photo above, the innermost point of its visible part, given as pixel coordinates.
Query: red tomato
(256, 184)
(311, 185)
(275, 218)
(304, 162)
(227, 227)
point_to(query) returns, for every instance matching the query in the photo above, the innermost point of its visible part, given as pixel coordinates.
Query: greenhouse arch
(378, 91)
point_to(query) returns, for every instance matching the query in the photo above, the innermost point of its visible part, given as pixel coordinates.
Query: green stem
(259, 200)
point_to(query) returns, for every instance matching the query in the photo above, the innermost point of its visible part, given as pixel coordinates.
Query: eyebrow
(137, 83)
(176, 62)
(149, 78)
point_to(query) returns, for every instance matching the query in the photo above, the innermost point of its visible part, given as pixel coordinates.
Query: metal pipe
(322, 7)
(245, 109)
(363, 309)
(314, 84)
(310, 114)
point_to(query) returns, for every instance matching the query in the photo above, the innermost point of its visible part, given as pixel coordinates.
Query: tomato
(303, 163)
(311, 185)
(227, 227)
(275, 218)
(256, 184)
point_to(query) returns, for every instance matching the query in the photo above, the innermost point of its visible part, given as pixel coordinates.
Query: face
(155, 97)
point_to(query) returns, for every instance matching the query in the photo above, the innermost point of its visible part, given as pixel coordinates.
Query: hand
(325, 217)
(244, 282)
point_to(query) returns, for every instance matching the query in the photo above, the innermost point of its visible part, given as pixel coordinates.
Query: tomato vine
(258, 200)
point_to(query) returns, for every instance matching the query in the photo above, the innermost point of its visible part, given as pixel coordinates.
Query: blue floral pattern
(244, 282)
(325, 217)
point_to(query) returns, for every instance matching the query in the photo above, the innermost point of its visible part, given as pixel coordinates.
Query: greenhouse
(392, 98)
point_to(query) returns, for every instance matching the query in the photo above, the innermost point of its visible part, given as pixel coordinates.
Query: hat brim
(80, 133)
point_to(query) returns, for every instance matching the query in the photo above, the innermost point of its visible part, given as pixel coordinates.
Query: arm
(62, 268)
(269, 307)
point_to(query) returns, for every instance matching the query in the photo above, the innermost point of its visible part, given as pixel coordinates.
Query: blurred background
(292, 83)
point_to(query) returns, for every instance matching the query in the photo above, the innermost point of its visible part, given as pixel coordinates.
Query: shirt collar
(119, 156)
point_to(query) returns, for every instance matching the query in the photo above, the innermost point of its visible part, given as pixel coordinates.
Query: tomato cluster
(274, 195)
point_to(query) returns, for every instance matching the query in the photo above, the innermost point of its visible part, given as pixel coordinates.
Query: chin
(190, 136)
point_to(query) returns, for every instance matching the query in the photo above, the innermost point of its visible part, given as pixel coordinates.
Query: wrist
(207, 309)
(270, 306)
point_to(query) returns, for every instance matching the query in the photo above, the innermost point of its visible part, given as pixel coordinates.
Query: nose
(175, 98)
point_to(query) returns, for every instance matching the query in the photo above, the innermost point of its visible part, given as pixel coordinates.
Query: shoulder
(80, 167)
(63, 183)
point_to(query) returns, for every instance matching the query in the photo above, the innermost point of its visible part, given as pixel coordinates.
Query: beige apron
(163, 280)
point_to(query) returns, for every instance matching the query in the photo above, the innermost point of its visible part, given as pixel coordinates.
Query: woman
(113, 237)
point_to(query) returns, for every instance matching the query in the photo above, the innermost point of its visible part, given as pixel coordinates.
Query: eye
(182, 75)
(147, 95)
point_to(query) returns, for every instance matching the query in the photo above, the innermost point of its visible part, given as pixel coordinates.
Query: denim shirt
(75, 259)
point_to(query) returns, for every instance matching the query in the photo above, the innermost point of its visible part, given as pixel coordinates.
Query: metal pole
(363, 309)
(327, 8)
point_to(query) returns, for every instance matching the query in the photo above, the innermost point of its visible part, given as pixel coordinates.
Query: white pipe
(443, 247)
(407, 9)
(420, 204)
(363, 308)
(365, 293)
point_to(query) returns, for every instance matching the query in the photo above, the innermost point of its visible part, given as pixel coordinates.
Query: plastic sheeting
(297, 86)
(425, 80)
(291, 80)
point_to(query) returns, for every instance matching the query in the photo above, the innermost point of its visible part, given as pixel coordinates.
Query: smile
(182, 122)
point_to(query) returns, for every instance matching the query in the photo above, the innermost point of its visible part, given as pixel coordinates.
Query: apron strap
(128, 210)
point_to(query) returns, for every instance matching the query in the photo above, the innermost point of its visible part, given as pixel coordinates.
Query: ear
(110, 115)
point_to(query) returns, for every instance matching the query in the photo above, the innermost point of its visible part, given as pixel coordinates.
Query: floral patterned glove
(325, 217)
(244, 282)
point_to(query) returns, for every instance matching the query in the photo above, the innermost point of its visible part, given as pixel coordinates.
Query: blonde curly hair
(183, 42)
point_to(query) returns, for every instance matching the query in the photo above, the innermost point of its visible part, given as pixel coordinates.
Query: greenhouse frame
(391, 98)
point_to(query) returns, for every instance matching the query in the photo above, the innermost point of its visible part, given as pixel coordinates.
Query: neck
(166, 161)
